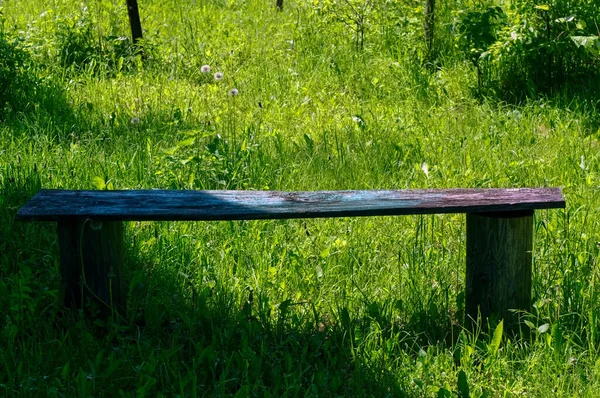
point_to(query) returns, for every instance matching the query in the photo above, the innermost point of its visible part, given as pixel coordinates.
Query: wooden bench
(499, 230)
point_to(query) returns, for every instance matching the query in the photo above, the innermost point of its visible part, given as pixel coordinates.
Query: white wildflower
(205, 69)
(135, 120)
(425, 168)
(218, 76)
(233, 92)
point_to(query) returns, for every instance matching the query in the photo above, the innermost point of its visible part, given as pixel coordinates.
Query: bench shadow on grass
(581, 99)
(255, 347)
(38, 105)
(287, 349)
(17, 186)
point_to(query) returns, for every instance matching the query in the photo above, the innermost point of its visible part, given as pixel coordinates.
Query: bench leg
(498, 276)
(91, 260)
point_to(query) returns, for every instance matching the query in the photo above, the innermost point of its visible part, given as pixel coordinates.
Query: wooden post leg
(498, 276)
(91, 260)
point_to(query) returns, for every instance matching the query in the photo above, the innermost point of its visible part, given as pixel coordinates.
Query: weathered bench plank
(174, 205)
(499, 231)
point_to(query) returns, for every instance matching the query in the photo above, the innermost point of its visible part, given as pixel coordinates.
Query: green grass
(335, 307)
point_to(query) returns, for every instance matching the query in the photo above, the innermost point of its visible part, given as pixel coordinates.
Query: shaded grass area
(338, 307)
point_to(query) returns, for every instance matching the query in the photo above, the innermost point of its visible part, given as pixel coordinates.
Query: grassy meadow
(322, 308)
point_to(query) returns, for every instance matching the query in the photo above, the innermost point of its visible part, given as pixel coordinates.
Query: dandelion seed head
(135, 120)
(218, 76)
(233, 92)
(205, 69)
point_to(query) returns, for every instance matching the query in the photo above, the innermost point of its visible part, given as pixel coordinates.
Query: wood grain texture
(148, 205)
(91, 259)
(499, 261)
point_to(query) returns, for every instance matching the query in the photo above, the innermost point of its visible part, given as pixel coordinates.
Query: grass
(335, 307)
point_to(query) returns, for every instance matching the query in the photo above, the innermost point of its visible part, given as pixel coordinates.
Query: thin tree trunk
(134, 20)
(429, 24)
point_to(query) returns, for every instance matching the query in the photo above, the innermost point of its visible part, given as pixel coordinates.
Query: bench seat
(499, 231)
(178, 205)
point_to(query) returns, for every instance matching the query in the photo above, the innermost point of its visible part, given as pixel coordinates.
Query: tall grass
(335, 307)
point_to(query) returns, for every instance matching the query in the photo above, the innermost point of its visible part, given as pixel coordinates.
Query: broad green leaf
(557, 338)
(310, 144)
(496, 339)
(543, 7)
(345, 315)
(170, 151)
(590, 43)
(186, 161)
(99, 183)
(66, 370)
(570, 18)
(190, 133)
(585, 41)
(284, 306)
(463, 385)
(418, 382)
(188, 142)
(529, 324)
(544, 328)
